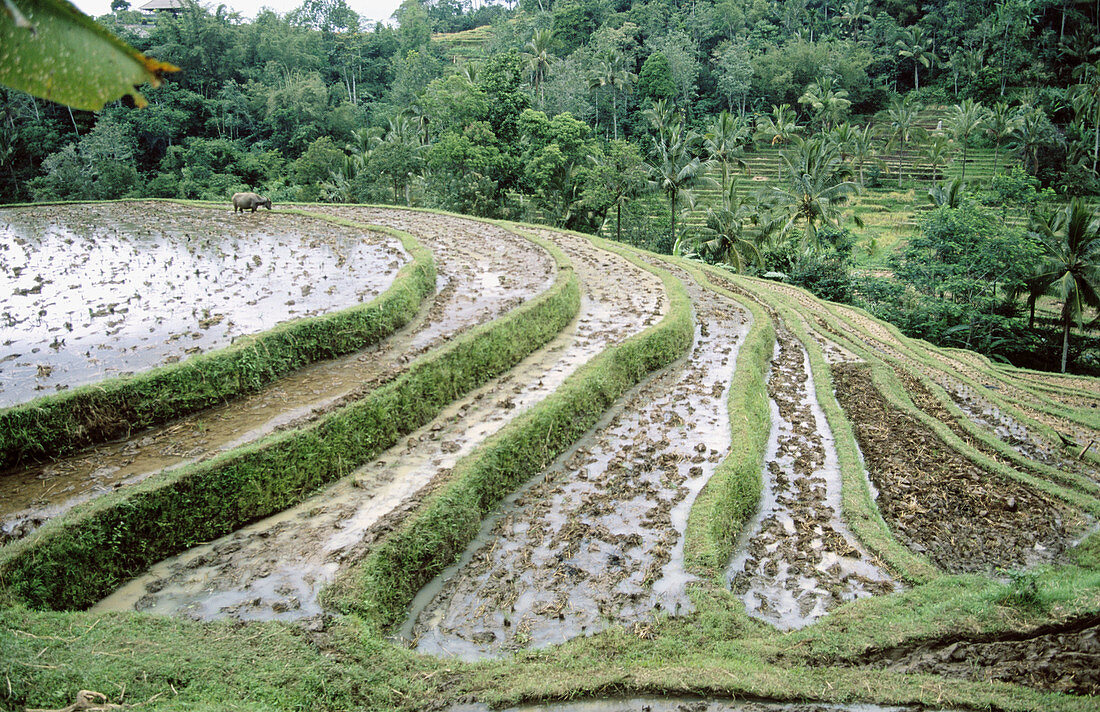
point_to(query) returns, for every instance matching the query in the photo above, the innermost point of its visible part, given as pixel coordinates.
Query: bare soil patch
(1060, 658)
(941, 504)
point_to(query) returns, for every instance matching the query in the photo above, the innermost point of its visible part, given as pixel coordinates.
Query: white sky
(367, 9)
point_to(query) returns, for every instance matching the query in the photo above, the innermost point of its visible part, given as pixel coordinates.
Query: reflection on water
(95, 291)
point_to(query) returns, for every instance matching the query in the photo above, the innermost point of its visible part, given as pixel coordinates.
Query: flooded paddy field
(798, 560)
(599, 539)
(109, 290)
(274, 569)
(473, 263)
(575, 592)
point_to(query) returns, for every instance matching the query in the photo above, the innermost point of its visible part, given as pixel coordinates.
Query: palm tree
(726, 240)
(817, 186)
(864, 147)
(936, 150)
(853, 15)
(539, 59)
(949, 195)
(903, 126)
(612, 72)
(964, 121)
(778, 128)
(826, 99)
(725, 139)
(1070, 267)
(1001, 123)
(914, 44)
(1030, 135)
(675, 167)
(1086, 101)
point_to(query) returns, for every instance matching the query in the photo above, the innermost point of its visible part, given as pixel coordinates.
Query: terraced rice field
(578, 477)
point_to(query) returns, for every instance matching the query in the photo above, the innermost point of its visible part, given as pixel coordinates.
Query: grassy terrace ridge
(72, 562)
(380, 589)
(60, 424)
(717, 651)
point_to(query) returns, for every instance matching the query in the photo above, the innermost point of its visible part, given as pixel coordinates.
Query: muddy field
(940, 503)
(276, 568)
(476, 283)
(797, 560)
(599, 539)
(109, 290)
(589, 552)
(1063, 658)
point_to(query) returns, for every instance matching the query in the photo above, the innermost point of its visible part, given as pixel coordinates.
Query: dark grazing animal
(244, 201)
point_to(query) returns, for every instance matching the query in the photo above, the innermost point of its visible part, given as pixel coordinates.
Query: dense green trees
(552, 118)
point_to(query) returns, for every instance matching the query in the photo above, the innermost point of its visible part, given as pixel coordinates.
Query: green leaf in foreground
(50, 49)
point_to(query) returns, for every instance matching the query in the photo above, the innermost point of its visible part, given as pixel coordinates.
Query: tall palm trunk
(1065, 337)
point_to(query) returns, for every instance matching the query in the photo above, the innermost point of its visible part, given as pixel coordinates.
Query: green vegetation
(63, 423)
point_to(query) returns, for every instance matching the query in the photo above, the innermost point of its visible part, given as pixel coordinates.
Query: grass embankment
(60, 424)
(380, 589)
(72, 562)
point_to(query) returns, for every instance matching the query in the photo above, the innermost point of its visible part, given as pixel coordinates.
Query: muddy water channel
(274, 569)
(95, 291)
(599, 539)
(483, 272)
(797, 559)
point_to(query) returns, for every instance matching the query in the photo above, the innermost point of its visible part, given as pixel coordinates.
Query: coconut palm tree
(539, 60)
(965, 120)
(827, 99)
(936, 151)
(1000, 124)
(903, 126)
(725, 238)
(1030, 135)
(864, 148)
(817, 187)
(1070, 268)
(675, 167)
(914, 44)
(778, 128)
(853, 15)
(1086, 102)
(612, 72)
(725, 140)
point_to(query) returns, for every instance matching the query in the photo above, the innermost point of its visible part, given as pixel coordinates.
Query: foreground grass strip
(74, 561)
(60, 424)
(731, 495)
(382, 586)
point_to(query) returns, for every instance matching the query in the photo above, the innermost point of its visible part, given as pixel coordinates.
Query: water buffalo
(244, 201)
